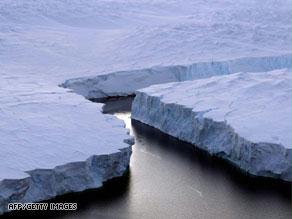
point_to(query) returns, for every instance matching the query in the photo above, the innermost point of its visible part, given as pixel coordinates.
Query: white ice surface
(54, 142)
(56, 40)
(215, 113)
(44, 43)
(49, 127)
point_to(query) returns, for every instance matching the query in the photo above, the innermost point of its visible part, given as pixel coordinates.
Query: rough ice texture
(54, 142)
(56, 40)
(127, 82)
(44, 43)
(44, 184)
(243, 118)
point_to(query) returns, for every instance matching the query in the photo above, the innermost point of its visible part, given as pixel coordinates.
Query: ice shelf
(243, 118)
(54, 142)
(125, 83)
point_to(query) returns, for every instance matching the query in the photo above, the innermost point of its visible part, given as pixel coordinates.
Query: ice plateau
(243, 118)
(45, 130)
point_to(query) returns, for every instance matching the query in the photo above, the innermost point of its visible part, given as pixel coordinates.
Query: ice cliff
(54, 142)
(124, 83)
(243, 118)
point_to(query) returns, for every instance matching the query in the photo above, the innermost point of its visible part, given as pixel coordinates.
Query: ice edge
(44, 184)
(125, 83)
(254, 158)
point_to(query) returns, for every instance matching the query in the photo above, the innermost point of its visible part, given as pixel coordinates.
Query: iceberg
(243, 118)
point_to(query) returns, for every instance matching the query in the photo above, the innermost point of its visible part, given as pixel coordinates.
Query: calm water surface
(171, 179)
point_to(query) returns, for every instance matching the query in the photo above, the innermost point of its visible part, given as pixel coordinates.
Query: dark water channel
(170, 179)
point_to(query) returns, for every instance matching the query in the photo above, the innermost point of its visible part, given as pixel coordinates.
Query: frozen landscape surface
(54, 142)
(56, 40)
(244, 118)
(44, 43)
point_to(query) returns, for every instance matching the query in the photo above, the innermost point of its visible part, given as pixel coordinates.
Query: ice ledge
(195, 112)
(125, 83)
(54, 142)
(44, 184)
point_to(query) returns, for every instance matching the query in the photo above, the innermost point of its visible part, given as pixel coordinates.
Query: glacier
(92, 48)
(243, 118)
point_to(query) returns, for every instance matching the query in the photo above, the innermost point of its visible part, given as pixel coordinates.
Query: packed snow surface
(45, 43)
(243, 117)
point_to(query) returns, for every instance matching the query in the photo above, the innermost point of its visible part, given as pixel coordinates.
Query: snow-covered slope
(244, 118)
